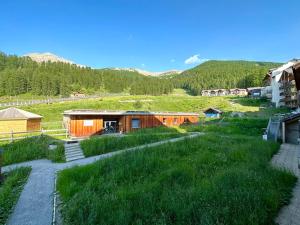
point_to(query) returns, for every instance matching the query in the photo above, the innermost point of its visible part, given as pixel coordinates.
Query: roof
(254, 88)
(291, 117)
(213, 109)
(14, 113)
(122, 113)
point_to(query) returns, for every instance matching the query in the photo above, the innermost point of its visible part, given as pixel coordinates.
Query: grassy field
(177, 103)
(104, 144)
(10, 189)
(32, 148)
(223, 177)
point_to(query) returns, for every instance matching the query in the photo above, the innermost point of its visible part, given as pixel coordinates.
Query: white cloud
(195, 59)
(172, 60)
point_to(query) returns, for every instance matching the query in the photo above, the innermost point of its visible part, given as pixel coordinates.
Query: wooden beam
(283, 133)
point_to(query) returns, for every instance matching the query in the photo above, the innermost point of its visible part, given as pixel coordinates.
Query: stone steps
(73, 152)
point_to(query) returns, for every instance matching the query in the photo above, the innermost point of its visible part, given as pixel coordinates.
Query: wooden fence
(12, 136)
(53, 100)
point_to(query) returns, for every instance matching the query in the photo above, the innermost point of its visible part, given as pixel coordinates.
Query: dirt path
(35, 205)
(287, 158)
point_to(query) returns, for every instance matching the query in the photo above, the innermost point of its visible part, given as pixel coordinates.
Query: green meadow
(223, 177)
(176, 102)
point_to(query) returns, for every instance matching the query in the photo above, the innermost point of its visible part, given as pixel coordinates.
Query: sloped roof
(14, 113)
(291, 117)
(214, 110)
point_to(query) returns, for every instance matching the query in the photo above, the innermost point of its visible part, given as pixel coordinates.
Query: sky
(154, 35)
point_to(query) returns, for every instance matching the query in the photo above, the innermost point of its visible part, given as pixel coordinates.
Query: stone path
(287, 158)
(35, 205)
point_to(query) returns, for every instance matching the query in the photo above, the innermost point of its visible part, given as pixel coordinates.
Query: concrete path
(287, 158)
(35, 205)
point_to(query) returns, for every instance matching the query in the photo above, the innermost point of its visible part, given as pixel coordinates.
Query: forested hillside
(223, 74)
(20, 75)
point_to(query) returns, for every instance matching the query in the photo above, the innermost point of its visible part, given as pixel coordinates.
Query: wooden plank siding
(148, 121)
(78, 129)
(33, 124)
(13, 125)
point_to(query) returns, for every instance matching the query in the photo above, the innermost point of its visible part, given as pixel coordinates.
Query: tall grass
(230, 126)
(211, 179)
(31, 149)
(10, 189)
(101, 145)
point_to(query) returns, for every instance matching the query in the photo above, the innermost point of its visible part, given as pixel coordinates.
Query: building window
(88, 123)
(135, 123)
(186, 120)
(165, 121)
(175, 121)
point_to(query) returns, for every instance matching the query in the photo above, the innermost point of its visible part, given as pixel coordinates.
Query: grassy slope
(31, 149)
(215, 179)
(177, 103)
(10, 191)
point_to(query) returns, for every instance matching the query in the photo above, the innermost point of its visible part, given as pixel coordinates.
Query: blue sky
(154, 35)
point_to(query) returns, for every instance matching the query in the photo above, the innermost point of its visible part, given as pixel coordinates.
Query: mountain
(148, 73)
(223, 74)
(49, 57)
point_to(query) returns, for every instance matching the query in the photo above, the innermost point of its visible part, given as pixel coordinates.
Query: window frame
(132, 123)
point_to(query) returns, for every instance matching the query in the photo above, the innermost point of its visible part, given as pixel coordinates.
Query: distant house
(17, 120)
(238, 92)
(83, 123)
(254, 92)
(290, 129)
(205, 92)
(77, 95)
(213, 113)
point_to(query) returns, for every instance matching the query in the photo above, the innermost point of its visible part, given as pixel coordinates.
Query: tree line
(223, 74)
(19, 75)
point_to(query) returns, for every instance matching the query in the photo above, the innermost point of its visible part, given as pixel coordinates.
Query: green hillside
(19, 75)
(223, 74)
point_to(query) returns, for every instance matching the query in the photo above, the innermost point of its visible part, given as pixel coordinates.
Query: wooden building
(254, 92)
(17, 120)
(83, 123)
(291, 129)
(213, 113)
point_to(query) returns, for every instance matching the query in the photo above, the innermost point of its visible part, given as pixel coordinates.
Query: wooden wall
(148, 121)
(15, 125)
(33, 124)
(77, 127)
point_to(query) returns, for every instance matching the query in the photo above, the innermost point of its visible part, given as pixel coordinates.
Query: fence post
(12, 136)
